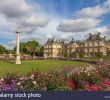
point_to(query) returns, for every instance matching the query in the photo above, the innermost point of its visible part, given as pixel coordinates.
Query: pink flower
(90, 87)
(94, 88)
(106, 83)
(85, 84)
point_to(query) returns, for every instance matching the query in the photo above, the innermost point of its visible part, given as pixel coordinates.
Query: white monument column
(77, 56)
(17, 46)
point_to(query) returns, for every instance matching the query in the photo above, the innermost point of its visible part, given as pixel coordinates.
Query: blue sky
(62, 19)
(65, 8)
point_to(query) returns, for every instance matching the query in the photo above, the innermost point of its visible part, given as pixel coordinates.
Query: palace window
(90, 44)
(95, 44)
(87, 50)
(85, 44)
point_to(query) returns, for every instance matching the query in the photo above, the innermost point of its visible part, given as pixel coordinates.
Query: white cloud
(14, 8)
(20, 11)
(50, 30)
(3, 21)
(41, 33)
(103, 30)
(78, 25)
(95, 11)
(91, 12)
(26, 14)
(35, 20)
(86, 20)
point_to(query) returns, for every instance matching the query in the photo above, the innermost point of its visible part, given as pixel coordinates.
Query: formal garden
(53, 75)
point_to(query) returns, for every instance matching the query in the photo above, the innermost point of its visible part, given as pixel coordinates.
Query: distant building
(72, 48)
(53, 49)
(95, 44)
(92, 45)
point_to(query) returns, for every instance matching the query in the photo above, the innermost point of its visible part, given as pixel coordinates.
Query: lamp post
(17, 45)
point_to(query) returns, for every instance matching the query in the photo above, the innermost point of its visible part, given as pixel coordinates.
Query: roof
(95, 37)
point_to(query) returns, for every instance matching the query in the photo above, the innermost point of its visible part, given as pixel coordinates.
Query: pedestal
(18, 59)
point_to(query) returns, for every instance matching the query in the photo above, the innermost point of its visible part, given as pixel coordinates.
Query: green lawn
(43, 65)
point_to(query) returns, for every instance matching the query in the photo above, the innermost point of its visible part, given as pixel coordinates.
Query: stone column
(17, 48)
(77, 56)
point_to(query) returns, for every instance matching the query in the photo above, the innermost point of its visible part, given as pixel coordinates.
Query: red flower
(94, 88)
(106, 83)
(37, 74)
(71, 85)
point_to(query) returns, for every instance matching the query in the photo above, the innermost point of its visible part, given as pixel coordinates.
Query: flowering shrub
(9, 82)
(71, 78)
(104, 69)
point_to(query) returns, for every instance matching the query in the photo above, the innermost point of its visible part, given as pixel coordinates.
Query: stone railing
(22, 58)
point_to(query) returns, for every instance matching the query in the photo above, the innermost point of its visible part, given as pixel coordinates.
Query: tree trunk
(33, 55)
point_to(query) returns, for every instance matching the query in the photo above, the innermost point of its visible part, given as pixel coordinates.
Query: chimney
(90, 34)
(99, 34)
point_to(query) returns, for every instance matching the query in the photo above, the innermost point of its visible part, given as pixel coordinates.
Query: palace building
(53, 49)
(92, 45)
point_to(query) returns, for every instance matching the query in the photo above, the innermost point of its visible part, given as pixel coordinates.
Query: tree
(66, 55)
(98, 54)
(73, 55)
(2, 49)
(32, 47)
(81, 55)
(23, 47)
(41, 51)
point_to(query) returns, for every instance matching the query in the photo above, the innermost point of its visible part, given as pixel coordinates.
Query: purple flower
(13, 81)
(6, 88)
(11, 87)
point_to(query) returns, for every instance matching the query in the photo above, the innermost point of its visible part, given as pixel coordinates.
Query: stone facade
(95, 44)
(72, 48)
(92, 45)
(53, 49)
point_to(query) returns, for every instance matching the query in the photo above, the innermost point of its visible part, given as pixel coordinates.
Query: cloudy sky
(61, 19)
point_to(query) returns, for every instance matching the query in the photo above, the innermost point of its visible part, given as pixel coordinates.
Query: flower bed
(86, 78)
